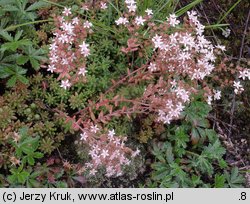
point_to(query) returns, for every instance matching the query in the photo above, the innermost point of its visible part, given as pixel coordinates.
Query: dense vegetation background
(208, 146)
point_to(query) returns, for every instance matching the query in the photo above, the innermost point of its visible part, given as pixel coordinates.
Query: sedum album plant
(170, 61)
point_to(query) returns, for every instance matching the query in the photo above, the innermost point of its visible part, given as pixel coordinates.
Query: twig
(240, 56)
(244, 35)
(60, 154)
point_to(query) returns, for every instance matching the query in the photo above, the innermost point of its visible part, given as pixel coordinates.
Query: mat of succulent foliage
(181, 60)
(123, 99)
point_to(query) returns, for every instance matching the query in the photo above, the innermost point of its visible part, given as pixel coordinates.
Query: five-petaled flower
(65, 84)
(67, 11)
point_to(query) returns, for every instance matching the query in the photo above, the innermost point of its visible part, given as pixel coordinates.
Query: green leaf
(29, 145)
(222, 163)
(215, 150)
(169, 153)
(204, 165)
(18, 35)
(160, 174)
(23, 79)
(32, 183)
(6, 72)
(31, 160)
(12, 179)
(37, 5)
(38, 155)
(34, 56)
(35, 64)
(196, 180)
(10, 8)
(21, 60)
(181, 138)
(219, 181)
(235, 180)
(6, 35)
(22, 177)
(14, 45)
(211, 134)
(61, 184)
(12, 81)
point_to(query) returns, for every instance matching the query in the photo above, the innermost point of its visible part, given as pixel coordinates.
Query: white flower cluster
(186, 54)
(67, 47)
(109, 152)
(131, 5)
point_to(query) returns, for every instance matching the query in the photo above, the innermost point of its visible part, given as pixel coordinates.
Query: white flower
(172, 20)
(82, 71)
(111, 134)
(130, 2)
(94, 129)
(237, 85)
(88, 165)
(54, 59)
(167, 119)
(139, 20)
(180, 107)
(244, 74)
(64, 62)
(169, 103)
(103, 6)
(68, 27)
(67, 11)
(184, 56)
(84, 49)
(110, 171)
(53, 47)
(65, 84)
(63, 38)
(183, 94)
(226, 32)
(84, 136)
(85, 8)
(238, 88)
(157, 40)
(152, 67)
(221, 47)
(92, 153)
(92, 172)
(96, 148)
(117, 141)
(131, 7)
(217, 94)
(137, 152)
(75, 21)
(105, 153)
(174, 113)
(188, 41)
(173, 83)
(87, 24)
(149, 12)
(209, 100)
(121, 20)
(51, 68)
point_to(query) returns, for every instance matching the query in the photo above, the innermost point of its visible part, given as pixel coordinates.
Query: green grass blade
(215, 26)
(119, 12)
(13, 27)
(229, 11)
(53, 3)
(166, 4)
(187, 7)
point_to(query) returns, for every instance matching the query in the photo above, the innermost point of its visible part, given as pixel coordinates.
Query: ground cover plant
(121, 94)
